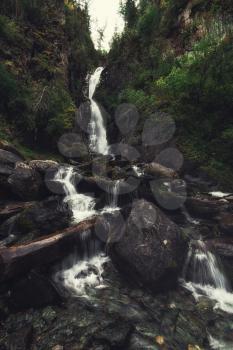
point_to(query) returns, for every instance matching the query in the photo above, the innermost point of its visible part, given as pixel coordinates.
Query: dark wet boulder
(6, 146)
(151, 250)
(9, 158)
(35, 290)
(27, 183)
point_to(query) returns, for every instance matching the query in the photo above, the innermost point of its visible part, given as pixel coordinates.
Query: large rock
(26, 182)
(152, 248)
(43, 165)
(159, 171)
(6, 146)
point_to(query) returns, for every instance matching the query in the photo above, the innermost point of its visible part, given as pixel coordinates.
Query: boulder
(6, 146)
(43, 165)
(159, 171)
(27, 183)
(152, 248)
(9, 158)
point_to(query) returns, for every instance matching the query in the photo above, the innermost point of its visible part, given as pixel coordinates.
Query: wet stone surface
(117, 317)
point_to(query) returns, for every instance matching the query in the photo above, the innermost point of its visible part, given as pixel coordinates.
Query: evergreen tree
(129, 12)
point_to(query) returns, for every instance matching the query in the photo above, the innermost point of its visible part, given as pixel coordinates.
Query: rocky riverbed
(137, 300)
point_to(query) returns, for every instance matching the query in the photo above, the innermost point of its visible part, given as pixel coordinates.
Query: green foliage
(144, 102)
(59, 112)
(9, 30)
(8, 88)
(129, 12)
(149, 21)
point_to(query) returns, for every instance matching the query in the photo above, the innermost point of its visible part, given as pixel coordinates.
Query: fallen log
(20, 259)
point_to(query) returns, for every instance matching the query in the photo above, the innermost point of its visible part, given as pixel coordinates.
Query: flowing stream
(81, 205)
(98, 136)
(203, 276)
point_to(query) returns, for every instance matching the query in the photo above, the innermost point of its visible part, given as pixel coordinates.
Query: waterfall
(203, 276)
(82, 270)
(114, 192)
(81, 205)
(98, 136)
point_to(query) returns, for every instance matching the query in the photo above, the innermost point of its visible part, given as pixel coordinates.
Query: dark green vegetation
(178, 56)
(45, 53)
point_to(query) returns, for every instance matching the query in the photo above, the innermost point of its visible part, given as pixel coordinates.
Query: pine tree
(129, 12)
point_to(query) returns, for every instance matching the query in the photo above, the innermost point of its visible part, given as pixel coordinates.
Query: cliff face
(45, 54)
(176, 56)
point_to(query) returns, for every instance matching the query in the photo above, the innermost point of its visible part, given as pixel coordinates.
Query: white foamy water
(203, 276)
(113, 193)
(83, 274)
(81, 205)
(98, 135)
(138, 171)
(217, 344)
(219, 194)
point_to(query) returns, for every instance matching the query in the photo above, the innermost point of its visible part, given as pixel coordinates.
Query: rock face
(152, 248)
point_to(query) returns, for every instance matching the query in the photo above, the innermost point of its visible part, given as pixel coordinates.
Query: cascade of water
(203, 276)
(98, 136)
(82, 270)
(114, 192)
(81, 205)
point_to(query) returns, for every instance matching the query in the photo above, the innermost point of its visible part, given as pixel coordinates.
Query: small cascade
(203, 276)
(98, 136)
(81, 205)
(83, 270)
(113, 193)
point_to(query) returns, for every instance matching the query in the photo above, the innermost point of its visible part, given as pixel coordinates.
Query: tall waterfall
(203, 276)
(81, 205)
(98, 136)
